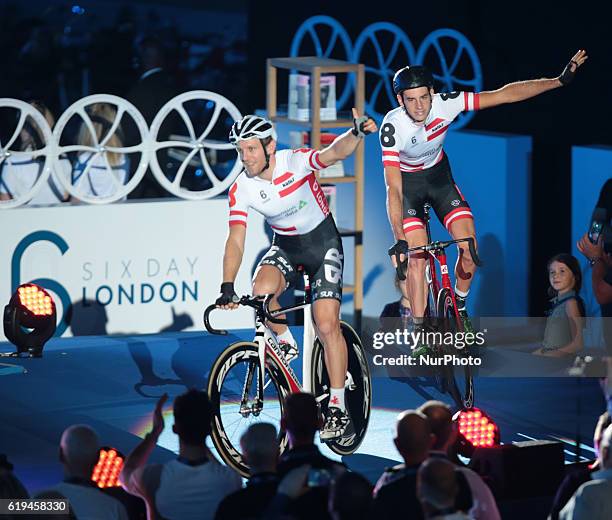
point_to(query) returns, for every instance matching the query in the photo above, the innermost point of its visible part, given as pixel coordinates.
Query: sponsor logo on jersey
(287, 183)
(303, 203)
(436, 128)
(433, 151)
(455, 202)
(288, 212)
(411, 212)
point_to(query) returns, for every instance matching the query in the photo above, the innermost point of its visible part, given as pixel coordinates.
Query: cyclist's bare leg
(326, 314)
(269, 280)
(465, 266)
(415, 278)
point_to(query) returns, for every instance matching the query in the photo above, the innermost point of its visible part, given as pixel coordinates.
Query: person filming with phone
(596, 246)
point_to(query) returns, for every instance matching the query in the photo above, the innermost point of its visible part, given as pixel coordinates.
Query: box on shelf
(299, 97)
(302, 140)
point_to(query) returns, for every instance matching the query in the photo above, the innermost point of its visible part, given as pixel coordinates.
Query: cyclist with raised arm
(282, 186)
(417, 171)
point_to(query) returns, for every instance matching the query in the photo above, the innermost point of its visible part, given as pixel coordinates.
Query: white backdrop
(144, 263)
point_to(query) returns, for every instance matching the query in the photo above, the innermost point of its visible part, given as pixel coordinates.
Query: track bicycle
(442, 314)
(250, 380)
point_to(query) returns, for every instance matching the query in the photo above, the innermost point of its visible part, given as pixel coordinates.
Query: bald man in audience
(437, 489)
(260, 449)
(396, 488)
(79, 452)
(445, 432)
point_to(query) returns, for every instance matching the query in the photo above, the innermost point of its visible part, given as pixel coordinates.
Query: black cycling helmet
(412, 77)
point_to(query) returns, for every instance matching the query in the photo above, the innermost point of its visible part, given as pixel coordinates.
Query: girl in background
(563, 333)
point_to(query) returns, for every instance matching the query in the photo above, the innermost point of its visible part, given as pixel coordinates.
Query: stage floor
(112, 384)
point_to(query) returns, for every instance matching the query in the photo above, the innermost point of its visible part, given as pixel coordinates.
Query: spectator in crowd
(350, 497)
(593, 500)
(19, 173)
(438, 489)
(191, 486)
(100, 174)
(397, 314)
(396, 488)
(601, 280)
(563, 332)
(576, 478)
(260, 450)
(79, 453)
(598, 252)
(314, 472)
(10, 485)
(154, 88)
(481, 504)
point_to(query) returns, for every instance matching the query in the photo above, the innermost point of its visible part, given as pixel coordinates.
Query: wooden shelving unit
(317, 67)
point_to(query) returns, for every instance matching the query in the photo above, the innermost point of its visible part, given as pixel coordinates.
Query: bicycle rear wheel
(358, 390)
(236, 400)
(461, 388)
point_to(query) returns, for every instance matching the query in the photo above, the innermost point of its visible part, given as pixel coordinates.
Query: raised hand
(570, 69)
(158, 418)
(363, 125)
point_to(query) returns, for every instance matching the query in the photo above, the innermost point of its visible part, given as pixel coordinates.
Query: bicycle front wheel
(358, 389)
(238, 400)
(461, 388)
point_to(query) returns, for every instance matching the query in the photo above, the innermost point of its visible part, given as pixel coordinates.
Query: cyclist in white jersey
(418, 172)
(282, 186)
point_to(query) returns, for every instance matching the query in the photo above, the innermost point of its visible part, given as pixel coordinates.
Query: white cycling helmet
(250, 127)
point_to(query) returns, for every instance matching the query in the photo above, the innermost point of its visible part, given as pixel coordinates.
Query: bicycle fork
(257, 404)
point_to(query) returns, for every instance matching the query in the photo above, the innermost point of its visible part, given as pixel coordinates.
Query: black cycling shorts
(436, 187)
(319, 252)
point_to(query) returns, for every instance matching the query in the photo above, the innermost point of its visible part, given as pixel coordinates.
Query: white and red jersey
(293, 202)
(412, 147)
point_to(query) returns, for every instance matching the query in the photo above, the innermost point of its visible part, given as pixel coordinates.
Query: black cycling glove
(358, 124)
(228, 295)
(568, 75)
(397, 249)
(401, 247)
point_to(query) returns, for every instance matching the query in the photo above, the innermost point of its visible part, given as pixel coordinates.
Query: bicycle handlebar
(207, 324)
(261, 306)
(434, 246)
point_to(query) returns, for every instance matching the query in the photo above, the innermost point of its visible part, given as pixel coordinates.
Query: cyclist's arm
(393, 181)
(234, 249)
(519, 91)
(345, 144)
(522, 90)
